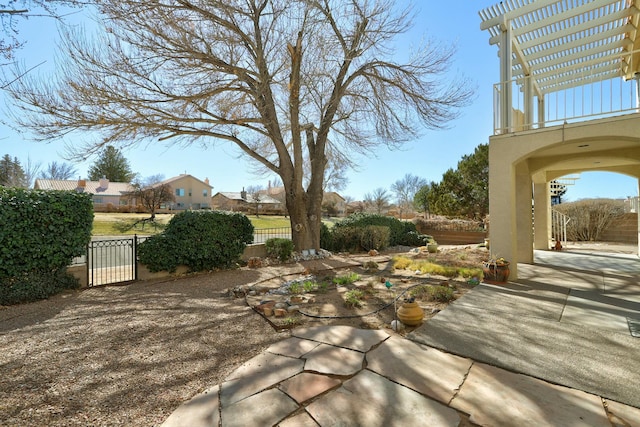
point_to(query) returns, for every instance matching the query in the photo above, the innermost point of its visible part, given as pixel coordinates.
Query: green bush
(374, 237)
(279, 248)
(201, 240)
(363, 232)
(40, 234)
(397, 228)
(35, 285)
(42, 230)
(326, 238)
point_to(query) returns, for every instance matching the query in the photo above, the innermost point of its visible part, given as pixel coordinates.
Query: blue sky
(428, 157)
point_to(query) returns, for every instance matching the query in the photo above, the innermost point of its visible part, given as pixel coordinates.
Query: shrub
(201, 240)
(279, 248)
(40, 234)
(345, 239)
(589, 217)
(326, 238)
(374, 237)
(35, 285)
(397, 228)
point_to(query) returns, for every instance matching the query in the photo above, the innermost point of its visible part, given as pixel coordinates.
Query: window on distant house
(204, 193)
(97, 200)
(180, 192)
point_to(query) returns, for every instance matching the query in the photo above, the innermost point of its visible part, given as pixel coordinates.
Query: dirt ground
(131, 354)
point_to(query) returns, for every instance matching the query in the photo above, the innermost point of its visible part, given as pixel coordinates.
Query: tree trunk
(305, 216)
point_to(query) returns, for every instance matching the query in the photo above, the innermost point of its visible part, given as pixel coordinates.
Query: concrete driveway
(572, 319)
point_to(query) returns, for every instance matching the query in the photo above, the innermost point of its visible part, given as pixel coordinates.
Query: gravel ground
(125, 355)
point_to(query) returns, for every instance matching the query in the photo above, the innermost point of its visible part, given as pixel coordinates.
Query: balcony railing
(563, 101)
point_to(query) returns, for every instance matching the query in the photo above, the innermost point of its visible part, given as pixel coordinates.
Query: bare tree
(11, 12)
(62, 170)
(286, 81)
(151, 193)
(255, 193)
(377, 200)
(405, 190)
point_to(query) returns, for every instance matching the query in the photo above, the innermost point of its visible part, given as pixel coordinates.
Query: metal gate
(112, 260)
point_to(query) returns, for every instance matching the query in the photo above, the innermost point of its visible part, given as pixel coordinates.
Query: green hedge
(40, 234)
(201, 240)
(363, 231)
(279, 248)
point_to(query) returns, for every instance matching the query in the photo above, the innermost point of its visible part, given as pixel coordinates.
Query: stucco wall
(622, 230)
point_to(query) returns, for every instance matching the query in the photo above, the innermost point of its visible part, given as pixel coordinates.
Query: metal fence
(112, 260)
(261, 235)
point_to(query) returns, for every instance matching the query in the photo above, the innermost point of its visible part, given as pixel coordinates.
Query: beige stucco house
(568, 101)
(105, 195)
(189, 192)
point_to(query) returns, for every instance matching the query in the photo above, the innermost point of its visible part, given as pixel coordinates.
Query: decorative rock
(279, 312)
(397, 325)
(265, 304)
(296, 299)
(282, 305)
(373, 252)
(253, 293)
(268, 312)
(293, 309)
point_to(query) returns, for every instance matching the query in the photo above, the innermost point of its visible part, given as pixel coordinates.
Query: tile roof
(91, 187)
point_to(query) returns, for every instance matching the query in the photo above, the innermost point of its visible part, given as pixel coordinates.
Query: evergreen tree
(111, 164)
(11, 173)
(464, 192)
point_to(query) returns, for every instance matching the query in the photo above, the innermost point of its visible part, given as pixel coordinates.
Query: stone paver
(201, 411)
(371, 400)
(623, 415)
(327, 359)
(343, 336)
(263, 409)
(256, 377)
(292, 347)
(493, 396)
(299, 420)
(429, 371)
(306, 385)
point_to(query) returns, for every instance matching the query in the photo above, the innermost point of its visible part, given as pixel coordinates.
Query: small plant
(295, 288)
(291, 321)
(353, 298)
(441, 293)
(346, 280)
(308, 286)
(323, 287)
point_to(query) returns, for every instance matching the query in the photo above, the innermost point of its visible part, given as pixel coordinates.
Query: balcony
(552, 101)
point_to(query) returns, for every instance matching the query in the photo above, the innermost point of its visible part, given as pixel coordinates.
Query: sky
(429, 156)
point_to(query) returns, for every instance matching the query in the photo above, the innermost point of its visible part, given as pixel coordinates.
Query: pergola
(552, 45)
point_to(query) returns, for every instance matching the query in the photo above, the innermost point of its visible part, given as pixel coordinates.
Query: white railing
(563, 102)
(559, 223)
(633, 204)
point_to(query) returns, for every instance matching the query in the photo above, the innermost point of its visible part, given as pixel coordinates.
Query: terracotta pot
(496, 273)
(410, 314)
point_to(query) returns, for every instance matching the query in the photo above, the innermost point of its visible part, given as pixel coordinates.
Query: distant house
(190, 192)
(243, 202)
(105, 195)
(334, 204)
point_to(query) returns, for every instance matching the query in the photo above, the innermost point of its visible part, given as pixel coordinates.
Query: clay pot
(410, 314)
